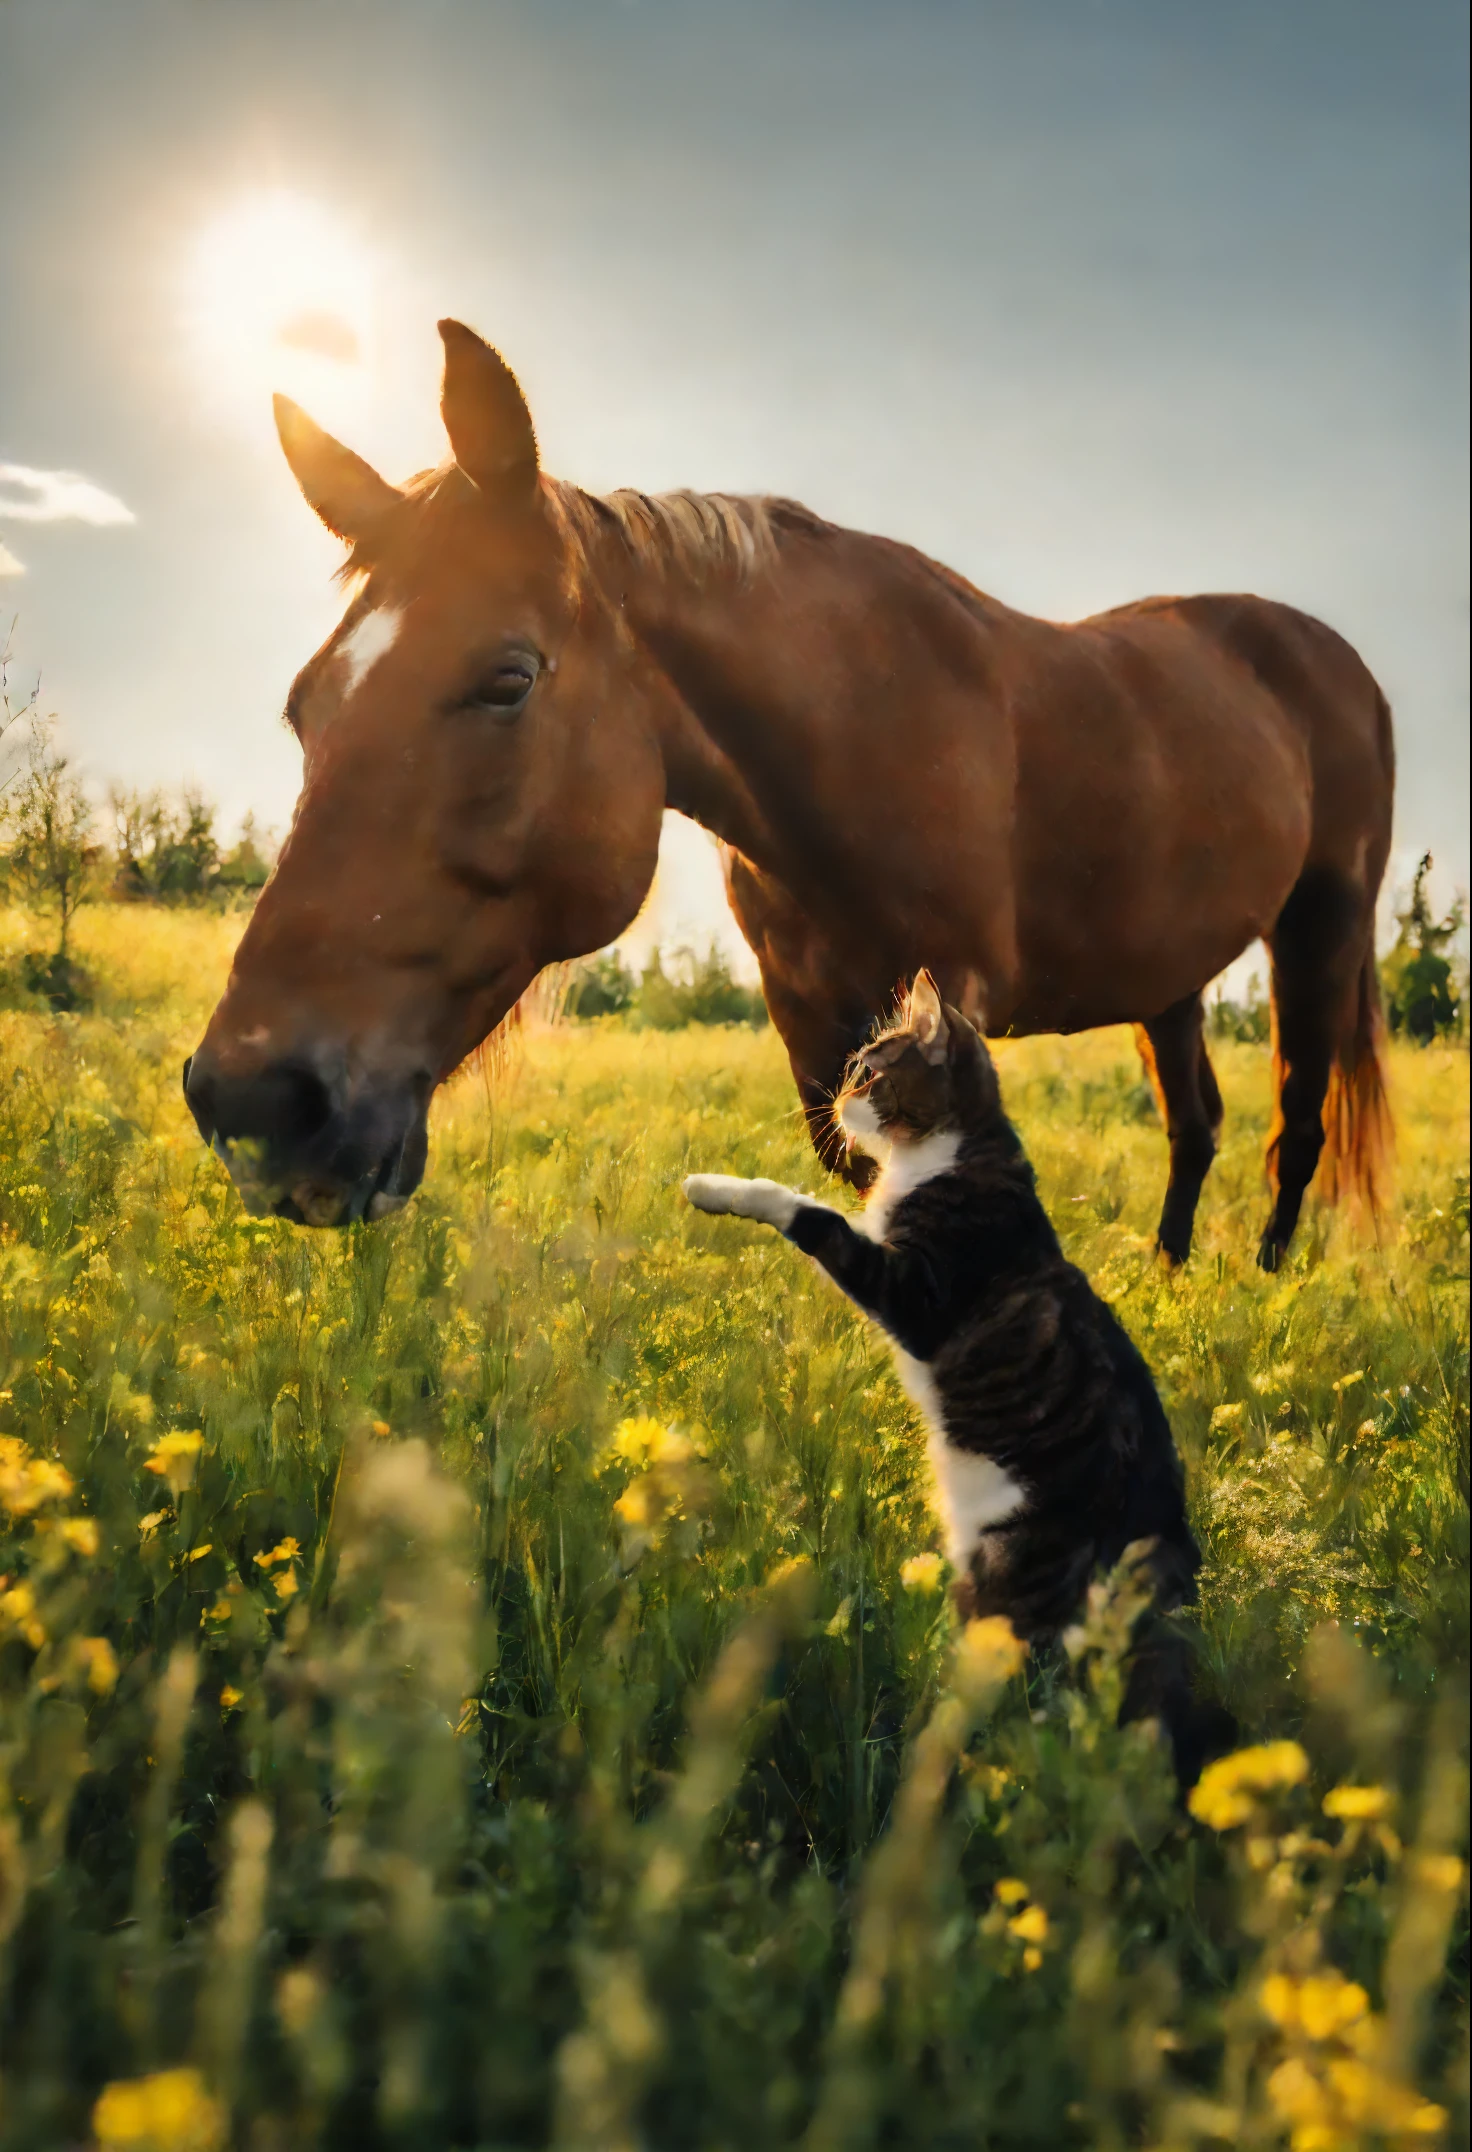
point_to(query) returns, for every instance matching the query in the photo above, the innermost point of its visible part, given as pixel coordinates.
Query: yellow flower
(1032, 1958)
(1224, 1415)
(1321, 2007)
(1357, 1804)
(1298, 2094)
(230, 1697)
(1347, 1382)
(1030, 1925)
(1442, 1871)
(286, 1585)
(287, 1551)
(175, 1457)
(645, 1441)
(99, 1661)
(18, 1607)
(1224, 1794)
(1011, 1891)
(78, 1533)
(168, 2112)
(26, 1482)
(922, 1573)
(989, 1653)
(152, 1521)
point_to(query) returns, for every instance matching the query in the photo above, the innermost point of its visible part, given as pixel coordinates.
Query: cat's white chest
(972, 1492)
(907, 1166)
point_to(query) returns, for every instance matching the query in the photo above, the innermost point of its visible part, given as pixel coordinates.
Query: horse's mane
(697, 533)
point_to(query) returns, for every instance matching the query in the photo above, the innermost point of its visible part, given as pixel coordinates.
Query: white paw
(766, 1201)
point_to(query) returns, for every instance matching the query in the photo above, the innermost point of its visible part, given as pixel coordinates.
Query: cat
(1050, 1447)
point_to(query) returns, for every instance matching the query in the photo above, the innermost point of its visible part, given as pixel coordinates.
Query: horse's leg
(819, 1020)
(1175, 1058)
(1317, 949)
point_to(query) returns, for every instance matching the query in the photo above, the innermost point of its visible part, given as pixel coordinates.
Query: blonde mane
(698, 534)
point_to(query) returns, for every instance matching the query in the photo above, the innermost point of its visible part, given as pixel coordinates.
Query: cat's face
(927, 1072)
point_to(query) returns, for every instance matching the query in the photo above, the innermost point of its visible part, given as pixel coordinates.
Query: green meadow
(486, 1680)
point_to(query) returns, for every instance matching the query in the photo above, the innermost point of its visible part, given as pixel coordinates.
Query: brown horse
(1070, 825)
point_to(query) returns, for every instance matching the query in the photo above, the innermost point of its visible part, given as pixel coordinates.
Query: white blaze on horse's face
(369, 640)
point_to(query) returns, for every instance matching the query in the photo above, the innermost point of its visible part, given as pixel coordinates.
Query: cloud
(29, 496)
(9, 565)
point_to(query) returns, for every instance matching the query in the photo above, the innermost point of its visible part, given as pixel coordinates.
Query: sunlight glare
(280, 295)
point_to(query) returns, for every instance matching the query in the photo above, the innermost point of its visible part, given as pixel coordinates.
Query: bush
(49, 860)
(693, 990)
(1417, 979)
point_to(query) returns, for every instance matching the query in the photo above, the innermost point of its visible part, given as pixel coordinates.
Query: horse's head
(481, 796)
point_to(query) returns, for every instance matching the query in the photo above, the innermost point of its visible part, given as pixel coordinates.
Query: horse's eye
(505, 689)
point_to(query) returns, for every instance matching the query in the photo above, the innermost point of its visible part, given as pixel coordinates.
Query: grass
(520, 1718)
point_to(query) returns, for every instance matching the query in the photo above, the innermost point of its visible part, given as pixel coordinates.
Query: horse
(1070, 825)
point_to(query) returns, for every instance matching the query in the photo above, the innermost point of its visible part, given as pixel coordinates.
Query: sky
(1087, 298)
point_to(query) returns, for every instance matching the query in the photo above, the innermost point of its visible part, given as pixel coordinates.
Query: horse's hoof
(1170, 1259)
(1270, 1253)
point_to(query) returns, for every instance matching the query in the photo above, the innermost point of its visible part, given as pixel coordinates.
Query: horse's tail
(1359, 1134)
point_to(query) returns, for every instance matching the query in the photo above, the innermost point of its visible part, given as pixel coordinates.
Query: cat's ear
(926, 1018)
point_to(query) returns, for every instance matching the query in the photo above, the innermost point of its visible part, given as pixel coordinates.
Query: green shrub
(1417, 978)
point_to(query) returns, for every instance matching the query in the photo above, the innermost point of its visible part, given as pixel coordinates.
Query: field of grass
(484, 1681)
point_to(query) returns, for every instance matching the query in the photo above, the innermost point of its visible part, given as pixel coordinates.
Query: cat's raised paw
(766, 1201)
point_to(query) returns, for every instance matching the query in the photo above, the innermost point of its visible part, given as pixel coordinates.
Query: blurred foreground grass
(483, 1681)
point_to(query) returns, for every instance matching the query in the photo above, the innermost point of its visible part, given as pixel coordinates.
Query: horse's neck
(735, 720)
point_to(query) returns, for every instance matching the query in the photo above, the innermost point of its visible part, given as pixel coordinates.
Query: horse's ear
(486, 417)
(926, 1017)
(346, 492)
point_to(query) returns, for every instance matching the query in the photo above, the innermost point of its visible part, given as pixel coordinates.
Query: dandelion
(1439, 1871)
(1322, 2007)
(97, 1660)
(1226, 1791)
(18, 1608)
(922, 1573)
(644, 1441)
(168, 2112)
(989, 1653)
(175, 1457)
(27, 1483)
(1030, 1925)
(1357, 1804)
(286, 1551)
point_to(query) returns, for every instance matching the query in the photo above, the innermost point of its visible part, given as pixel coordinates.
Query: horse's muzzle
(301, 1143)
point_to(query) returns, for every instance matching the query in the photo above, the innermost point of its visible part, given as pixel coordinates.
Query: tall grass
(470, 1683)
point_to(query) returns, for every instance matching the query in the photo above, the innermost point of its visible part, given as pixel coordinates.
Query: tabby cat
(1050, 1448)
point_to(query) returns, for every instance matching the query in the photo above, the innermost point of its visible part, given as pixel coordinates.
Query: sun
(281, 294)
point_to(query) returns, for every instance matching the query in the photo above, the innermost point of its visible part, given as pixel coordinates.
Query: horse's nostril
(284, 1105)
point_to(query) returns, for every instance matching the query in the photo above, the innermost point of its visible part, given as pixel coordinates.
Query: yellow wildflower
(922, 1573)
(1347, 1382)
(1322, 2007)
(646, 1441)
(1032, 1958)
(1357, 1804)
(286, 1585)
(27, 1482)
(989, 1652)
(287, 1551)
(97, 1659)
(78, 1533)
(18, 1607)
(1011, 1891)
(1030, 1925)
(1442, 1871)
(230, 1696)
(1367, 2096)
(152, 1521)
(1224, 1415)
(1225, 1793)
(168, 2112)
(175, 1457)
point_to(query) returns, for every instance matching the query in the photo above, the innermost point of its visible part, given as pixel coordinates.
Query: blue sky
(1087, 299)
